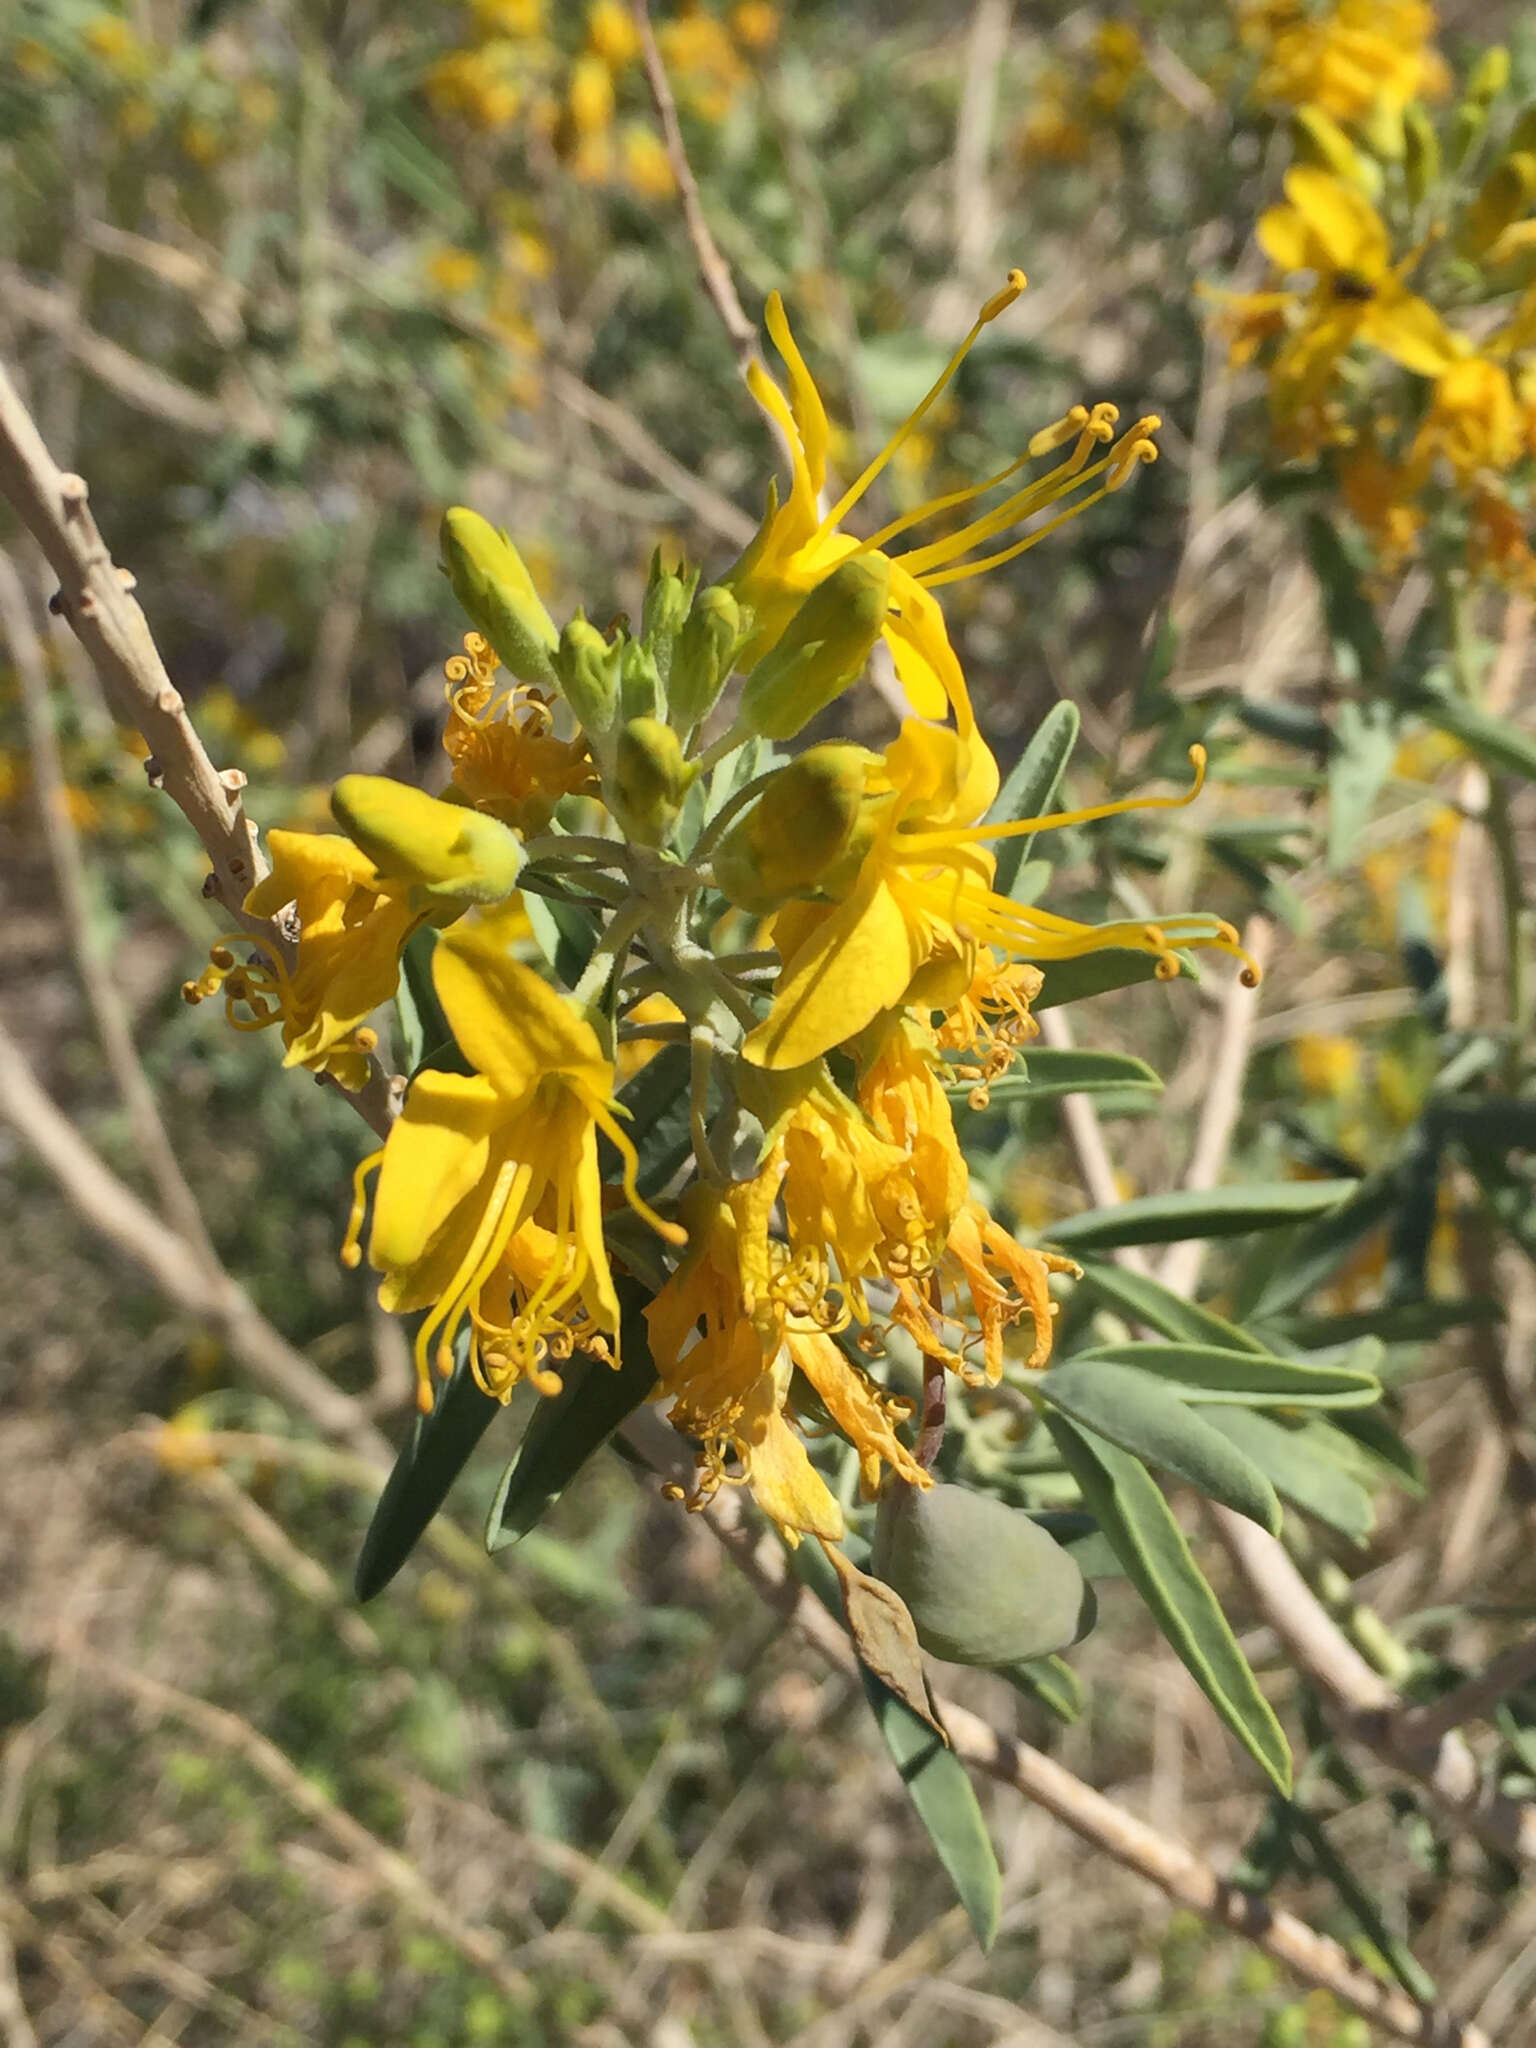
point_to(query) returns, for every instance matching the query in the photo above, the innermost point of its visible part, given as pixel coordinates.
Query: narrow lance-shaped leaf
(1148, 1301)
(935, 1778)
(435, 1453)
(1208, 1372)
(1050, 1071)
(1144, 1416)
(1030, 790)
(1297, 1466)
(1131, 1511)
(1200, 1212)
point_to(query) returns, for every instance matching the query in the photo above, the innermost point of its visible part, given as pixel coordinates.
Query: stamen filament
(351, 1245)
(922, 842)
(998, 303)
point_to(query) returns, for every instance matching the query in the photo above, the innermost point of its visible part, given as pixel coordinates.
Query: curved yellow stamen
(923, 842)
(351, 1244)
(485, 1248)
(673, 1233)
(998, 303)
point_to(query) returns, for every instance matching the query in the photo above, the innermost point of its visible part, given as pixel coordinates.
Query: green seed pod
(588, 672)
(1421, 153)
(701, 660)
(650, 780)
(1489, 76)
(497, 594)
(454, 856)
(799, 828)
(983, 1583)
(1505, 196)
(822, 649)
(639, 683)
(668, 595)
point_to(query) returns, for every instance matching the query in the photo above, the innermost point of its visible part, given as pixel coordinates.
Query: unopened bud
(1421, 153)
(798, 829)
(587, 668)
(821, 651)
(668, 595)
(497, 593)
(639, 683)
(650, 779)
(1383, 131)
(453, 855)
(1489, 76)
(1505, 196)
(983, 1583)
(1523, 134)
(701, 660)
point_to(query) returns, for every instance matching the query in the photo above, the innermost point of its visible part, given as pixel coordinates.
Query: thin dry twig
(480, 1946)
(94, 595)
(210, 1295)
(714, 271)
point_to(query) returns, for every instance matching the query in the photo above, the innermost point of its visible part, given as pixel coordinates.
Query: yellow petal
(303, 862)
(784, 1482)
(437, 1153)
(926, 665)
(510, 1023)
(810, 415)
(1346, 230)
(1410, 331)
(854, 965)
(851, 1403)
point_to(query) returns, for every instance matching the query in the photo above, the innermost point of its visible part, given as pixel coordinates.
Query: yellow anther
(1049, 439)
(1001, 301)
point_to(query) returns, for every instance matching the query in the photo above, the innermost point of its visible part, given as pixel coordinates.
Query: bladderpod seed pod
(983, 1583)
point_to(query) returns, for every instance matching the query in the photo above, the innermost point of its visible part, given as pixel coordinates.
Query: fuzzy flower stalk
(641, 910)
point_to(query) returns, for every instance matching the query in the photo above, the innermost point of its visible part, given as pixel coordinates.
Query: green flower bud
(497, 594)
(588, 672)
(453, 855)
(797, 830)
(701, 660)
(1421, 153)
(667, 598)
(1489, 75)
(650, 779)
(983, 1583)
(1523, 134)
(639, 683)
(821, 651)
(1383, 129)
(1505, 196)
(1319, 140)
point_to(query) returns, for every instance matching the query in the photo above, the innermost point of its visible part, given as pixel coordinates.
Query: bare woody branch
(95, 596)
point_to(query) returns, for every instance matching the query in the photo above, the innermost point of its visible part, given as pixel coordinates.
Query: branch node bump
(233, 780)
(127, 579)
(154, 771)
(73, 491)
(168, 700)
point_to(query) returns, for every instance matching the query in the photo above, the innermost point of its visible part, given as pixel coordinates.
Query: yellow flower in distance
(920, 903)
(1347, 58)
(473, 1157)
(798, 546)
(1330, 228)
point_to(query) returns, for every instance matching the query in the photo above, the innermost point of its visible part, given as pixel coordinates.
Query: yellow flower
(920, 902)
(647, 166)
(506, 758)
(1348, 58)
(474, 1157)
(1329, 227)
(798, 546)
(1474, 420)
(1001, 1280)
(454, 270)
(509, 17)
(482, 87)
(1326, 1065)
(352, 924)
(725, 1348)
(589, 97)
(755, 24)
(1380, 495)
(611, 33)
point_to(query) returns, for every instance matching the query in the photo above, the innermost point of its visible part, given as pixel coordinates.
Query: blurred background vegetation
(282, 280)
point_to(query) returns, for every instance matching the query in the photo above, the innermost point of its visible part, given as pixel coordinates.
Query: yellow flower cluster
(1072, 106)
(1399, 246)
(518, 69)
(814, 935)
